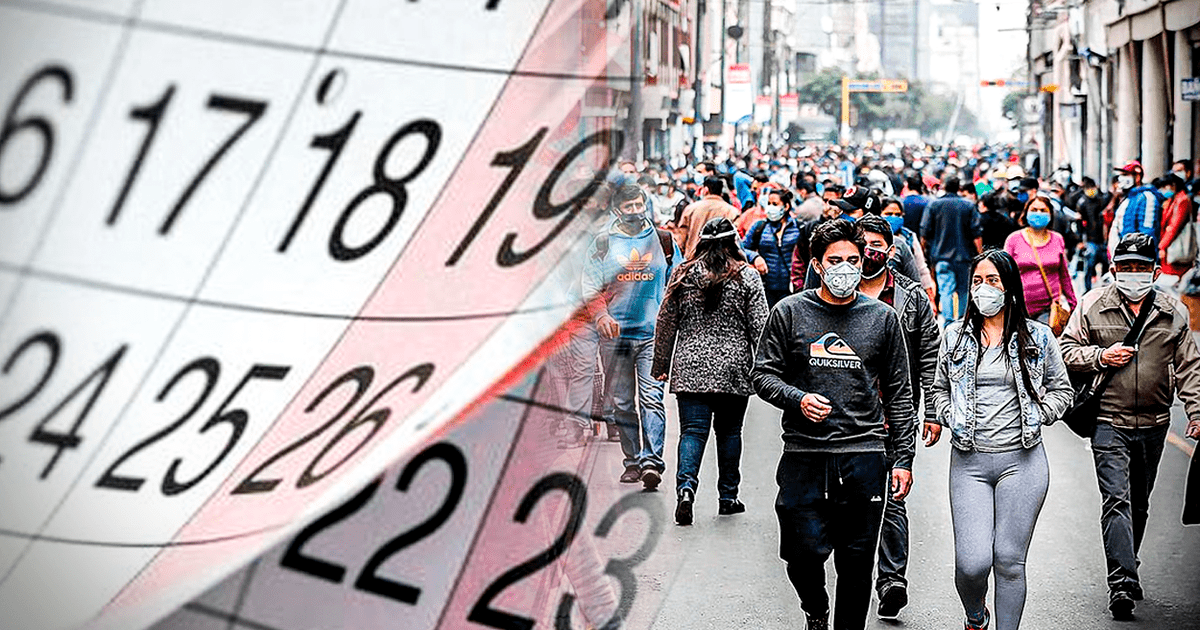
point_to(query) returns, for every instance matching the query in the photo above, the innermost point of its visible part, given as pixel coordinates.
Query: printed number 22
(368, 579)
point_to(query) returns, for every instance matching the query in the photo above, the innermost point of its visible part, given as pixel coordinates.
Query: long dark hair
(1015, 314)
(717, 261)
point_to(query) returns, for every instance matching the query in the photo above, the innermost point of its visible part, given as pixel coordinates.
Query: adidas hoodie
(632, 277)
(852, 354)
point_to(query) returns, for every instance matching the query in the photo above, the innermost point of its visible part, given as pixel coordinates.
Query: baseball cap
(1015, 172)
(1132, 166)
(1135, 246)
(857, 198)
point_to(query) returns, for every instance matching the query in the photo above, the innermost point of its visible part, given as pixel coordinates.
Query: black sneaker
(683, 507)
(892, 598)
(817, 623)
(650, 479)
(730, 506)
(631, 475)
(1136, 593)
(1121, 605)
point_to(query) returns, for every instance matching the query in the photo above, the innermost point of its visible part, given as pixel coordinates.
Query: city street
(730, 576)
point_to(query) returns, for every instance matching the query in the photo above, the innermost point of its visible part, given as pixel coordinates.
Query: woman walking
(1000, 378)
(709, 323)
(1041, 256)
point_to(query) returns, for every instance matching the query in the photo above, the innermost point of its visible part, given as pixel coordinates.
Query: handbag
(1081, 418)
(1182, 250)
(1060, 309)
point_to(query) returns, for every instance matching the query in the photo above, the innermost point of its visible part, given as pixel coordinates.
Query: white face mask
(1134, 285)
(842, 279)
(774, 213)
(1125, 181)
(988, 299)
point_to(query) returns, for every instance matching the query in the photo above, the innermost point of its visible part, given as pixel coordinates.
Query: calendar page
(279, 280)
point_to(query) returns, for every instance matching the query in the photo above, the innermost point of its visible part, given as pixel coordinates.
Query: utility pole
(633, 125)
(724, 28)
(697, 122)
(882, 36)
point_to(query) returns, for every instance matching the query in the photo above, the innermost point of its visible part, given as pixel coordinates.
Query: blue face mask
(848, 217)
(1023, 197)
(895, 222)
(1166, 192)
(1038, 220)
(820, 188)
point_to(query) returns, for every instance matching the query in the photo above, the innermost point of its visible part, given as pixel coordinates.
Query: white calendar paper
(264, 260)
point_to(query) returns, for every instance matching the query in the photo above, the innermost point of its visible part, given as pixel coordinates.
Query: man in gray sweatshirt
(835, 362)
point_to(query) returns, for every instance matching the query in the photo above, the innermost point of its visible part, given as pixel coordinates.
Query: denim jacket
(954, 394)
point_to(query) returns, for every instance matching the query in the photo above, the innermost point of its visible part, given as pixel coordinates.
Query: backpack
(757, 232)
(665, 239)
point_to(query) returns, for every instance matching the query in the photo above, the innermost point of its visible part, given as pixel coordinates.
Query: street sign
(891, 86)
(882, 85)
(1008, 83)
(1189, 89)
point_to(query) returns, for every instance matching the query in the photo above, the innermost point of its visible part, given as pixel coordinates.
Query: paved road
(725, 572)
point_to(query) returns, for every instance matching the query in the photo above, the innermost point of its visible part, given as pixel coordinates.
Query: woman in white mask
(1000, 378)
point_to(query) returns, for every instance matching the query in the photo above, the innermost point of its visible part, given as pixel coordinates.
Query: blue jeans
(1091, 255)
(1126, 466)
(724, 413)
(952, 285)
(631, 389)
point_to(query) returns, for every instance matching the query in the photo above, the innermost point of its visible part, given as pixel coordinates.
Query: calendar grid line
(132, 545)
(512, 449)
(110, 287)
(268, 159)
(56, 207)
(74, 12)
(211, 35)
(233, 619)
(243, 592)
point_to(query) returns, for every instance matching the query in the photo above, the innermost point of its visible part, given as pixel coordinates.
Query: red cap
(1133, 166)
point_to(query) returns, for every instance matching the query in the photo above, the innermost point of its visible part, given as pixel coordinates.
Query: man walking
(1139, 211)
(1135, 410)
(835, 362)
(949, 230)
(710, 206)
(923, 338)
(628, 267)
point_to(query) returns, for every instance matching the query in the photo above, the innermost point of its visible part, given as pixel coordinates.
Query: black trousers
(831, 504)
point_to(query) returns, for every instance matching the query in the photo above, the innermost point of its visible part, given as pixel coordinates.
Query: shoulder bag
(1060, 310)
(1081, 418)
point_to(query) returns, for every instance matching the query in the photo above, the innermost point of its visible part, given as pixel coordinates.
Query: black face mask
(630, 220)
(873, 262)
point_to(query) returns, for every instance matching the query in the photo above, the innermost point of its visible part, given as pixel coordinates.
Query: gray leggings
(995, 499)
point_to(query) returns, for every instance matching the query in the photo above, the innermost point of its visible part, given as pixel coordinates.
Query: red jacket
(1177, 211)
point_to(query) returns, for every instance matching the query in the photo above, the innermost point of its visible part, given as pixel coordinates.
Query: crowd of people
(879, 295)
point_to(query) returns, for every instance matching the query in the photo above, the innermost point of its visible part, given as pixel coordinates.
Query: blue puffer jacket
(777, 254)
(1140, 211)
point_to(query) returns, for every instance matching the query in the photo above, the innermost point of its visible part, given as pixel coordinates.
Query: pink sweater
(1054, 260)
